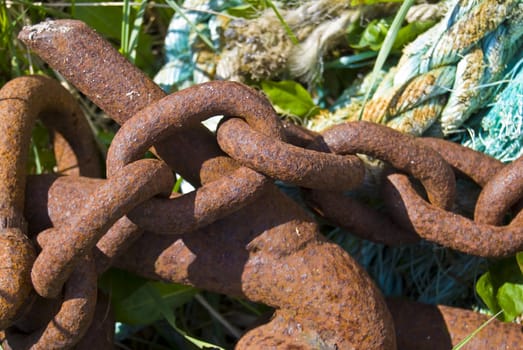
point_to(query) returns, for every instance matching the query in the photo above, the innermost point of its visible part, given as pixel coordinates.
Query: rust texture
(295, 165)
(402, 151)
(100, 335)
(65, 328)
(281, 262)
(163, 118)
(186, 109)
(503, 191)
(450, 229)
(16, 258)
(431, 327)
(237, 233)
(96, 68)
(297, 135)
(131, 185)
(359, 219)
(22, 101)
(476, 165)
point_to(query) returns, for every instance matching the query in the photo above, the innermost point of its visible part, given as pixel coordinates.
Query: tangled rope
(446, 74)
(501, 130)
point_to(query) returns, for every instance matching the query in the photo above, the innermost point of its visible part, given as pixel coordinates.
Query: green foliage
(290, 98)
(106, 20)
(162, 306)
(247, 11)
(386, 47)
(134, 302)
(41, 156)
(519, 259)
(13, 60)
(501, 287)
(121, 25)
(282, 21)
(253, 8)
(372, 36)
(352, 61)
(409, 32)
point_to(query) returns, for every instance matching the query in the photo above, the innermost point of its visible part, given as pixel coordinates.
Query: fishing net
(452, 81)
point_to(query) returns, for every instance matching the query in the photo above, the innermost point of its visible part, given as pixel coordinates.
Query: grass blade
(133, 40)
(181, 12)
(171, 319)
(288, 29)
(462, 343)
(124, 44)
(386, 48)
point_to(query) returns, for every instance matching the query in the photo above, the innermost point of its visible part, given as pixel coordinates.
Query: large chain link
(237, 233)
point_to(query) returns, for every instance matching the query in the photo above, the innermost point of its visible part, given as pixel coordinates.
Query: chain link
(237, 233)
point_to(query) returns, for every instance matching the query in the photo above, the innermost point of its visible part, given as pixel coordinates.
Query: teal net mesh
(499, 132)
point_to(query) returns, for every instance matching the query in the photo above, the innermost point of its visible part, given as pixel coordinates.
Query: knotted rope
(446, 75)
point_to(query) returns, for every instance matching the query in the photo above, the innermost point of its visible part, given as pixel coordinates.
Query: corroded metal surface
(449, 229)
(96, 68)
(100, 335)
(360, 219)
(22, 101)
(277, 259)
(16, 258)
(402, 151)
(133, 184)
(186, 109)
(430, 327)
(478, 166)
(297, 135)
(236, 234)
(503, 191)
(295, 165)
(70, 323)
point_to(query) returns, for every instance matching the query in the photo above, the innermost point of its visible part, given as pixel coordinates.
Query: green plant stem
(168, 314)
(288, 29)
(462, 343)
(233, 330)
(124, 44)
(386, 48)
(180, 11)
(133, 40)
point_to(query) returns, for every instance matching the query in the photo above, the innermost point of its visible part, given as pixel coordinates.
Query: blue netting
(500, 130)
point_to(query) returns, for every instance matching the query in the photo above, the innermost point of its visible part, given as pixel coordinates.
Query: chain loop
(402, 151)
(237, 234)
(298, 166)
(128, 187)
(449, 229)
(22, 101)
(503, 191)
(71, 321)
(178, 112)
(359, 219)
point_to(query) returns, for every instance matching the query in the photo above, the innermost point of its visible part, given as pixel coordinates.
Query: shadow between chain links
(482, 236)
(156, 273)
(22, 101)
(272, 260)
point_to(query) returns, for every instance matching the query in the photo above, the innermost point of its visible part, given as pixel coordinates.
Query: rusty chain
(265, 247)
